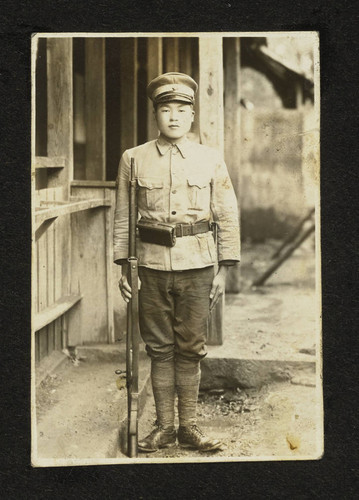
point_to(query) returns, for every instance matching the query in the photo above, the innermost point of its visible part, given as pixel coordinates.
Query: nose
(174, 116)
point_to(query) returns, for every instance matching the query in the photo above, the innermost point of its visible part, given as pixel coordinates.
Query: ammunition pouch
(159, 233)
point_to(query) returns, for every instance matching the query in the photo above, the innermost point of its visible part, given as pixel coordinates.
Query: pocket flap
(200, 182)
(150, 183)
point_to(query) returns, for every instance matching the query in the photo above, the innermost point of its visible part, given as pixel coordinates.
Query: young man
(187, 185)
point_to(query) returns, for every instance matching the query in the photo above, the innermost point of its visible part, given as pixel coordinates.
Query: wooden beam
(232, 131)
(43, 214)
(154, 68)
(95, 106)
(211, 92)
(47, 162)
(57, 309)
(60, 109)
(128, 83)
(92, 184)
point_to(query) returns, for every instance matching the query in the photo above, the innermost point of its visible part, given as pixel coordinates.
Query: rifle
(133, 334)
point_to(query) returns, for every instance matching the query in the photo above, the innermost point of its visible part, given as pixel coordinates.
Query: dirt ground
(278, 421)
(77, 411)
(78, 407)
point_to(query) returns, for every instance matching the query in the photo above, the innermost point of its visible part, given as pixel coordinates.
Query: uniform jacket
(182, 183)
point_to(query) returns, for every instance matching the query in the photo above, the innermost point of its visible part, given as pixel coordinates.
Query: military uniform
(185, 184)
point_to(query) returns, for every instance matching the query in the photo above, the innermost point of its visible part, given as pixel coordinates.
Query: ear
(193, 113)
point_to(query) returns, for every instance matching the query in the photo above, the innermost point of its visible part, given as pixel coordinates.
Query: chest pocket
(198, 192)
(151, 193)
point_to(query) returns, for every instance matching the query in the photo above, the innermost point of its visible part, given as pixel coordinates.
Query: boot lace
(197, 430)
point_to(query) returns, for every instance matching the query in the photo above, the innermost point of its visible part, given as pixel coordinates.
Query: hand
(125, 288)
(218, 286)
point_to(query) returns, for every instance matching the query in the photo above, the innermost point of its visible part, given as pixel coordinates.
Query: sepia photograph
(176, 254)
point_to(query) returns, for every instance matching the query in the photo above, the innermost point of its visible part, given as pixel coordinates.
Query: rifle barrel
(133, 334)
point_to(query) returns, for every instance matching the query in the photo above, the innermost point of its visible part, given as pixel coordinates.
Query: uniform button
(173, 212)
(174, 191)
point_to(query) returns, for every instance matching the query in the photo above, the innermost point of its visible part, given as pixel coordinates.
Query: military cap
(172, 87)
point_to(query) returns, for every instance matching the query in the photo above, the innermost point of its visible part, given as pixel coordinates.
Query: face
(174, 119)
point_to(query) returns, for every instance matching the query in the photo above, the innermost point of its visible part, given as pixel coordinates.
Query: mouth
(174, 126)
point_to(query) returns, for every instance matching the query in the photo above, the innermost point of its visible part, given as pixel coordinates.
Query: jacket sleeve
(120, 230)
(224, 210)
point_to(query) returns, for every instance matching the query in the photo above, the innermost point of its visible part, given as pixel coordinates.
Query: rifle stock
(133, 335)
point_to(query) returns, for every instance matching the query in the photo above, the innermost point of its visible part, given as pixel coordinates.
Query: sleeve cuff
(120, 262)
(228, 262)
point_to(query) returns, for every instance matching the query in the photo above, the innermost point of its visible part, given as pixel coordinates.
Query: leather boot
(193, 437)
(158, 438)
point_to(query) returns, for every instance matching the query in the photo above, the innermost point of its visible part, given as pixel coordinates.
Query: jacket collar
(182, 145)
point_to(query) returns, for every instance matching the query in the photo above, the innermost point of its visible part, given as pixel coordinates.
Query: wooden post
(232, 131)
(194, 50)
(211, 92)
(60, 144)
(128, 82)
(109, 267)
(60, 109)
(154, 68)
(212, 134)
(95, 106)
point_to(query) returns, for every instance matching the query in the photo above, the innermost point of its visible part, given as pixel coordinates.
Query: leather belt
(192, 229)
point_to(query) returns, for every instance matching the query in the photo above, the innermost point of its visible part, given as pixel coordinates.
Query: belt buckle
(181, 230)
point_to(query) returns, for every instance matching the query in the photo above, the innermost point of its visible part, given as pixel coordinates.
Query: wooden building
(90, 105)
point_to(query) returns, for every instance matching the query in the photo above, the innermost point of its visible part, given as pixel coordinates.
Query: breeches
(174, 310)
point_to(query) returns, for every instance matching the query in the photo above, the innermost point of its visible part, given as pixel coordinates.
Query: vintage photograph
(176, 270)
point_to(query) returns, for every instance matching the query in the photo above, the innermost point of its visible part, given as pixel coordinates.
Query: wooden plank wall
(50, 280)
(91, 268)
(52, 250)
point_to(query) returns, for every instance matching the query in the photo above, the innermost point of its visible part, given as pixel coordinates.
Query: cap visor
(173, 97)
